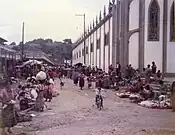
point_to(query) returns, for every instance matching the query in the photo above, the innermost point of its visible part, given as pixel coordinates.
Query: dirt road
(72, 113)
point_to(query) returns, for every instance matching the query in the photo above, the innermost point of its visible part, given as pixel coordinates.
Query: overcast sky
(46, 18)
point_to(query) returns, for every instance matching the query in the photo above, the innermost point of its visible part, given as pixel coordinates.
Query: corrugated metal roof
(2, 40)
(6, 48)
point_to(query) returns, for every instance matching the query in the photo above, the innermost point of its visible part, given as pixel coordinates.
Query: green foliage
(54, 49)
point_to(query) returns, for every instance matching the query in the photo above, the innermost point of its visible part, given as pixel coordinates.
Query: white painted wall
(153, 50)
(102, 46)
(87, 55)
(106, 47)
(95, 47)
(73, 57)
(134, 50)
(111, 34)
(106, 59)
(98, 60)
(134, 15)
(98, 51)
(170, 45)
(134, 39)
(75, 51)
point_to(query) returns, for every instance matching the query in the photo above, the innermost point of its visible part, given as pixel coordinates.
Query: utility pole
(22, 47)
(84, 29)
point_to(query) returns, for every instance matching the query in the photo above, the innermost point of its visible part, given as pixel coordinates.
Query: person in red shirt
(51, 74)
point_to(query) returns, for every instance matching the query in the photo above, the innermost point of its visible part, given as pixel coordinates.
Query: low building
(8, 58)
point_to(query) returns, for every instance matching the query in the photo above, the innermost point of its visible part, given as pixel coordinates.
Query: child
(89, 80)
(49, 89)
(61, 84)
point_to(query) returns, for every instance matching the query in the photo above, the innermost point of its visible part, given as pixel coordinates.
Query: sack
(34, 93)
(41, 76)
(51, 81)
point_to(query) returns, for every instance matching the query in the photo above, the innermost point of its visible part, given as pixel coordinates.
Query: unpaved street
(73, 113)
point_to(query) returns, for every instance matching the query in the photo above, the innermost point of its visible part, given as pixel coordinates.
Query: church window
(98, 43)
(86, 49)
(92, 47)
(79, 54)
(172, 24)
(82, 52)
(153, 21)
(106, 42)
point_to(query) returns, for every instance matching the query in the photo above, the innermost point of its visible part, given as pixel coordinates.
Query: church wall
(134, 15)
(102, 46)
(134, 50)
(95, 47)
(87, 55)
(153, 50)
(110, 39)
(98, 60)
(80, 50)
(134, 39)
(170, 45)
(106, 59)
(75, 51)
(91, 53)
(98, 50)
(73, 57)
(106, 62)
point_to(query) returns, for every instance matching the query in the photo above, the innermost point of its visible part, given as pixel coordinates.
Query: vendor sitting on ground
(146, 92)
(163, 88)
(158, 75)
(136, 87)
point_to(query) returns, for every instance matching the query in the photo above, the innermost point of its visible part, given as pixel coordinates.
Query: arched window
(153, 21)
(172, 24)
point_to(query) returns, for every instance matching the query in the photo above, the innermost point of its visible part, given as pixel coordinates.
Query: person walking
(81, 81)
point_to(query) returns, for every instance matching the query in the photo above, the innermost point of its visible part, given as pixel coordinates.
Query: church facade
(135, 32)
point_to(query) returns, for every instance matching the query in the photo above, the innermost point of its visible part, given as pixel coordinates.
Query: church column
(104, 46)
(104, 32)
(114, 22)
(96, 32)
(90, 41)
(109, 46)
(122, 25)
(126, 31)
(100, 48)
(141, 33)
(164, 49)
(118, 14)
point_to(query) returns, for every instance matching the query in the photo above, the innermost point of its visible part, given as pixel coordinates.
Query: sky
(53, 19)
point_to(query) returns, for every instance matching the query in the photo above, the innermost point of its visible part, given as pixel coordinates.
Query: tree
(68, 41)
(55, 50)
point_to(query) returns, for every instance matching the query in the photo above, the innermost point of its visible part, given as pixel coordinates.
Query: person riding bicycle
(99, 94)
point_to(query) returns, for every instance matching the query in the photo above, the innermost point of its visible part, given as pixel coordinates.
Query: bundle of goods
(27, 97)
(165, 104)
(41, 76)
(123, 95)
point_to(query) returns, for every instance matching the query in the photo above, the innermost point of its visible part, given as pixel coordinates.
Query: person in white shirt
(99, 93)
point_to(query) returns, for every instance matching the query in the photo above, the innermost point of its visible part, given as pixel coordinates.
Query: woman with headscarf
(41, 78)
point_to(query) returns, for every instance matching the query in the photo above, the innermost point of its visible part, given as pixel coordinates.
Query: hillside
(57, 51)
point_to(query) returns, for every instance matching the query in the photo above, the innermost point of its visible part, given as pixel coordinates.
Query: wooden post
(173, 96)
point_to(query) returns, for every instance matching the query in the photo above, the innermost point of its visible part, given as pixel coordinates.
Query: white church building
(135, 32)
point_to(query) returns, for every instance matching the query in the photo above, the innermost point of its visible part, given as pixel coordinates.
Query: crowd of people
(39, 85)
